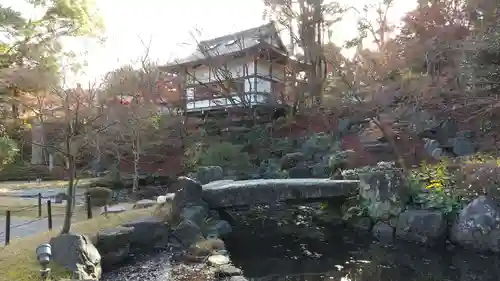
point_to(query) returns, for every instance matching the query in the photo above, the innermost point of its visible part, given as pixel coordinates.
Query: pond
(343, 255)
(268, 246)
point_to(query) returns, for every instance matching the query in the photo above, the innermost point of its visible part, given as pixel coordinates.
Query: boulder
(220, 228)
(209, 174)
(478, 226)
(421, 226)
(383, 193)
(187, 232)
(148, 232)
(383, 232)
(300, 171)
(195, 213)
(114, 244)
(144, 203)
(189, 192)
(75, 252)
(361, 223)
(291, 160)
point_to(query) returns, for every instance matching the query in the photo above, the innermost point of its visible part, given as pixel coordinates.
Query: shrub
(8, 151)
(228, 156)
(28, 172)
(435, 187)
(353, 174)
(99, 196)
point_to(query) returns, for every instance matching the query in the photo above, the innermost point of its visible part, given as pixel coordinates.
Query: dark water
(344, 256)
(153, 267)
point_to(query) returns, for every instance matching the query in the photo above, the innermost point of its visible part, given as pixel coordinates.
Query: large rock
(218, 229)
(291, 160)
(478, 225)
(195, 213)
(75, 252)
(383, 193)
(270, 191)
(422, 226)
(383, 232)
(209, 174)
(188, 192)
(114, 245)
(187, 232)
(148, 232)
(301, 171)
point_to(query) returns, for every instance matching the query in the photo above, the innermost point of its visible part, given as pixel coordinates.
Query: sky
(173, 27)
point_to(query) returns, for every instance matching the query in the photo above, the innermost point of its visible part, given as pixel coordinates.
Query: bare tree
(137, 111)
(308, 23)
(81, 116)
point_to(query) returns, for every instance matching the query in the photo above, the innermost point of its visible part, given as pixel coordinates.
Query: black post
(49, 214)
(89, 206)
(39, 205)
(7, 227)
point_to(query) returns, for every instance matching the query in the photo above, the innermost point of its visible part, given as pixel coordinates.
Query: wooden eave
(244, 52)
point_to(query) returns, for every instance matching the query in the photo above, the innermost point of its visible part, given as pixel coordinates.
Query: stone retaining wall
(475, 227)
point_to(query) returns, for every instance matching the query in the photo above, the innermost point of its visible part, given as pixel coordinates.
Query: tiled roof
(235, 42)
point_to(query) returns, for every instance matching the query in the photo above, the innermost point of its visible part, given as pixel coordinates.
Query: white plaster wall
(278, 71)
(236, 68)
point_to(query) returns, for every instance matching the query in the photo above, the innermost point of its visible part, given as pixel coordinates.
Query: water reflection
(345, 257)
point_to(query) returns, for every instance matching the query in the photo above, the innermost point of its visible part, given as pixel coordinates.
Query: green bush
(99, 196)
(28, 172)
(8, 151)
(228, 156)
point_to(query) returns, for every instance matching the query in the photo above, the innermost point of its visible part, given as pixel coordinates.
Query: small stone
(218, 260)
(165, 198)
(227, 270)
(238, 278)
(219, 252)
(144, 203)
(113, 209)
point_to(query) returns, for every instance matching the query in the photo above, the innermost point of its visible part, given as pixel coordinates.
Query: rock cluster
(199, 230)
(77, 253)
(476, 227)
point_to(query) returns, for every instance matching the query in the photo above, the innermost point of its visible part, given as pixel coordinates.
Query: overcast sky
(170, 25)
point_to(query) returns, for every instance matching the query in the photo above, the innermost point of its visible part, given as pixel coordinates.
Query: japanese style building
(244, 69)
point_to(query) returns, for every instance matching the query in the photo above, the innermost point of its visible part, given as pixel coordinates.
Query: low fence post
(7, 227)
(40, 205)
(88, 202)
(49, 214)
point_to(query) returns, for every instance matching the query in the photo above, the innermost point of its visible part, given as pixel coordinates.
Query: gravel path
(25, 227)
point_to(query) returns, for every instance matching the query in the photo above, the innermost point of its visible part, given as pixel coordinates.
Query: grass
(18, 260)
(16, 185)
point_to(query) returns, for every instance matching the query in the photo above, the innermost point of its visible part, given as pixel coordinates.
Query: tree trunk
(71, 190)
(37, 143)
(136, 150)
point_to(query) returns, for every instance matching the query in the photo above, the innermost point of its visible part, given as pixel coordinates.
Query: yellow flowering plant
(432, 187)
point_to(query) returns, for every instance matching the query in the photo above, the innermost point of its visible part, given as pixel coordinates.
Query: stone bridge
(228, 193)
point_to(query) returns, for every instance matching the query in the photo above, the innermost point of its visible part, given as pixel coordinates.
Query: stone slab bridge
(228, 193)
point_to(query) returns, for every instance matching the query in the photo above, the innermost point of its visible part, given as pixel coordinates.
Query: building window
(190, 94)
